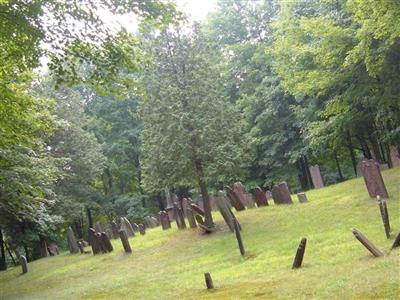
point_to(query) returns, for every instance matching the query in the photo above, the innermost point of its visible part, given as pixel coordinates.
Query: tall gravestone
(281, 194)
(394, 156)
(373, 179)
(127, 227)
(142, 229)
(260, 197)
(24, 264)
(94, 241)
(316, 177)
(224, 209)
(238, 188)
(164, 219)
(125, 242)
(188, 212)
(234, 199)
(180, 220)
(268, 194)
(72, 243)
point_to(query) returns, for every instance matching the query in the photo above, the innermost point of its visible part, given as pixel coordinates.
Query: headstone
(281, 194)
(260, 197)
(234, 199)
(180, 221)
(125, 242)
(268, 194)
(299, 254)
(373, 179)
(72, 244)
(367, 244)
(81, 247)
(102, 245)
(155, 221)
(94, 242)
(114, 228)
(53, 249)
(127, 226)
(191, 219)
(384, 215)
(135, 227)
(249, 200)
(224, 210)
(24, 264)
(165, 222)
(302, 197)
(239, 237)
(396, 242)
(106, 242)
(316, 177)
(394, 156)
(238, 188)
(197, 209)
(142, 229)
(209, 282)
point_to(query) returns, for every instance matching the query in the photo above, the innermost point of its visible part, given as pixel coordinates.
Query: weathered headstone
(298, 259)
(127, 226)
(102, 245)
(260, 197)
(395, 156)
(106, 242)
(197, 209)
(155, 221)
(180, 220)
(135, 227)
(72, 244)
(165, 222)
(268, 194)
(249, 200)
(239, 237)
(81, 247)
(316, 177)
(234, 199)
(24, 264)
(238, 188)
(125, 242)
(209, 282)
(114, 228)
(142, 229)
(94, 242)
(281, 193)
(396, 242)
(367, 244)
(373, 179)
(224, 210)
(302, 197)
(384, 215)
(191, 219)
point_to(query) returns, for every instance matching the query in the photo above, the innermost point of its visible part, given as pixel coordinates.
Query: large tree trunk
(352, 154)
(208, 220)
(89, 215)
(338, 166)
(3, 264)
(302, 174)
(364, 147)
(307, 169)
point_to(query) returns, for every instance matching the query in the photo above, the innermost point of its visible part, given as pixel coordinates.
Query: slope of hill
(170, 264)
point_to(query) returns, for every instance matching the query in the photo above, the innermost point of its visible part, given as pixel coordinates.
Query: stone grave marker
(260, 197)
(106, 242)
(373, 179)
(135, 227)
(281, 194)
(24, 264)
(396, 242)
(384, 215)
(367, 244)
(96, 249)
(394, 156)
(125, 242)
(180, 220)
(71, 239)
(142, 229)
(239, 237)
(316, 177)
(238, 188)
(299, 254)
(165, 222)
(197, 209)
(209, 282)
(234, 199)
(250, 203)
(114, 228)
(191, 219)
(127, 226)
(302, 197)
(224, 210)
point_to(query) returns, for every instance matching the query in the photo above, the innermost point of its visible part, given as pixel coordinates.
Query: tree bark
(89, 215)
(364, 147)
(351, 150)
(208, 220)
(338, 166)
(3, 264)
(301, 174)
(307, 169)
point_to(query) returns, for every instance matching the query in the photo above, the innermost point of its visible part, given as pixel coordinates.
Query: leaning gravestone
(180, 221)
(96, 246)
(135, 227)
(24, 264)
(106, 242)
(125, 242)
(234, 199)
(396, 242)
(114, 228)
(298, 259)
(224, 209)
(281, 194)
(302, 197)
(385, 216)
(127, 226)
(367, 244)
(238, 188)
(373, 179)
(260, 197)
(395, 156)
(165, 222)
(191, 219)
(197, 209)
(142, 229)
(72, 243)
(316, 177)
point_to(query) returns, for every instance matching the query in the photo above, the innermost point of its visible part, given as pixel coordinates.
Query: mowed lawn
(171, 264)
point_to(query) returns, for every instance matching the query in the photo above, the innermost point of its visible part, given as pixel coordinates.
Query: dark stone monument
(24, 264)
(224, 209)
(260, 197)
(302, 197)
(234, 199)
(94, 242)
(396, 242)
(384, 215)
(125, 242)
(209, 282)
(367, 244)
(373, 179)
(298, 259)
(238, 188)
(142, 229)
(178, 214)
(239, 237)
(281, 194)
(106, 242)
(164, 219)
(114, 228)
(316, 177)
(72, 244)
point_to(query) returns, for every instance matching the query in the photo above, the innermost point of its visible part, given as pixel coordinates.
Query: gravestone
(72, 244)
(155, 221)
(260, 197)
(180, 220)
(281, 193)
(249, 200)
(127, 226)
(302, 197)
(209, 282)
(367, 244)
(165, 222)
(81, 247)
(224, 209)
(102, 245)
(191, 219)
(106, 242)
(373, 179)
(125, 242)
(239, 237)
(185, 205)
(299, 254)
(316, 177)
(135, 227)
(234, 199)
(385, 216)
(142, 229)
(268, 194)
(197, 209)
(394, 156)
(94, 242)
(238, 188)
(114, 228)
(24, 264)
(396, 242)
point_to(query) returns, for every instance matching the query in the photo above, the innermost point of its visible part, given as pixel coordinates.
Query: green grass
(170, 264)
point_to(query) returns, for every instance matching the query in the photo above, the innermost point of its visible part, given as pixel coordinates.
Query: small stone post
(209, 282)
(125, 241)
(24, 264)
(302, 197)
(239, 237)
(384, 215)
(367, 244)
(298, 259)
(142, 229)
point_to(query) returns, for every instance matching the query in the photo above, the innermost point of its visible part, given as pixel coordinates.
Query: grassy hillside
(170, 264)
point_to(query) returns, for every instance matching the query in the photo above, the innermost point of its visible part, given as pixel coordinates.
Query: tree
(190, 134)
